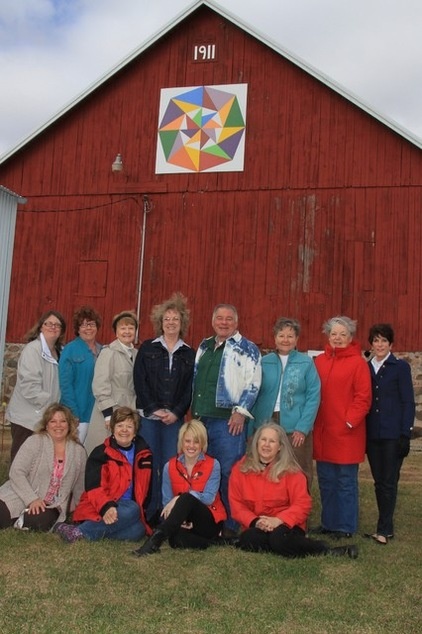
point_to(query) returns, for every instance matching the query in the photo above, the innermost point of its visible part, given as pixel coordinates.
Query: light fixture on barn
(117, 165)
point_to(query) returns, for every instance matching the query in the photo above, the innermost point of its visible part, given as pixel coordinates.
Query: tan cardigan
(30, 474)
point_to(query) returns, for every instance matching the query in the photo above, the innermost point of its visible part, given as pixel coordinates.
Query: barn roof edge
(296, 60)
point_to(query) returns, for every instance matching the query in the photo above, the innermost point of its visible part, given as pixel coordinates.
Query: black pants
(385, 468)
(284, 541)
(19, 435)
(42, 522)
(189, 509)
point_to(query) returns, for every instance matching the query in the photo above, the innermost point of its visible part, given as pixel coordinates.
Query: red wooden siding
(324, 219)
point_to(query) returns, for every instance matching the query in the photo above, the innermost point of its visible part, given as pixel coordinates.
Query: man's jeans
(227, 449)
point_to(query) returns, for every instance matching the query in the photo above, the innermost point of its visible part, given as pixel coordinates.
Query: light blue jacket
(300, 392)
(240, 374)
(76, 371)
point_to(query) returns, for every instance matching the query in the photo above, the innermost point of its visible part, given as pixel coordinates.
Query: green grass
(49, 586)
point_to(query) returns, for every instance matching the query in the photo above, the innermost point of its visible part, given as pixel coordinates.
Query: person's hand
(169, 418)
(36, 507)
(298, 438)
(268, 524)
(160, 413)
(111, 515)
(403, 446)
(236, 423)
(169, 507)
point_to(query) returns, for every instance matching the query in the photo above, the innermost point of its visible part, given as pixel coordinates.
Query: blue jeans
(227, 449)
(385, 468)
(128, 526)
(162, 440)
(339, 492)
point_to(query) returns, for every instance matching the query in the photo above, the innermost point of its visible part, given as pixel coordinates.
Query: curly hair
(177, 302)
(72, 433)
(82, 313)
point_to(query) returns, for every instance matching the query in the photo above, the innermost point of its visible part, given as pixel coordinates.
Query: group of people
(205, 481)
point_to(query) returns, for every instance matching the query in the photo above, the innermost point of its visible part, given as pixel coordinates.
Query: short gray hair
(228, 307)
(347, 322)
(286, 322)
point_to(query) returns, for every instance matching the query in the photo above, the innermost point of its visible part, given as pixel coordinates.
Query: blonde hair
(72, 433)
(285, 461)
(198, 431)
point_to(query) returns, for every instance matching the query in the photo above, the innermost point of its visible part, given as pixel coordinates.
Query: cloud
(52, 50)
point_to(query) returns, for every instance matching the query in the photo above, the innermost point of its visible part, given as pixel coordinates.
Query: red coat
(345, 398)
(108, 475)
(182, 482)
(253, 494)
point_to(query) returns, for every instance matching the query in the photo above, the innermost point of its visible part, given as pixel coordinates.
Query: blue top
(129, 453)
(300, 392)
(76, 371)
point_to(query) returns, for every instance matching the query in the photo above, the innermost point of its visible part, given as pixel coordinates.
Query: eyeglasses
(167, 319)
(53, 325)
(88, 324)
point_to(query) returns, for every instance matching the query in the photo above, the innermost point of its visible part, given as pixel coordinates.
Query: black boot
(152, 544)
(343, 551)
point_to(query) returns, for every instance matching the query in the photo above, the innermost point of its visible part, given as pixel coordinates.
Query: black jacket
(155, 386)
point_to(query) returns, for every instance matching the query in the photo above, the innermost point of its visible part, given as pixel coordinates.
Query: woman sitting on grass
(269, 497)
(193, 511)
(117, 481)
(46, 474)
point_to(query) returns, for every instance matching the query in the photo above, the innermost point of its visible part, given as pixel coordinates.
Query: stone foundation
(12, 352)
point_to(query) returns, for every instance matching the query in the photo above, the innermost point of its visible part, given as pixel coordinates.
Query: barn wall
(324, 219)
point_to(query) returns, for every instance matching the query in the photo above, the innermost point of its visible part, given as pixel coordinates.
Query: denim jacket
(239, 378)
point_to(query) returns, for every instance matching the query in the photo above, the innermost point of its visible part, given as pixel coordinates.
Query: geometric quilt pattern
(202, 128)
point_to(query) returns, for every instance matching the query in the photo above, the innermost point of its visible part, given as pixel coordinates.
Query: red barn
(309, 204)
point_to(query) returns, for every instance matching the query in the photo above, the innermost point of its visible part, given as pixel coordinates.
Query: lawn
(48, 586)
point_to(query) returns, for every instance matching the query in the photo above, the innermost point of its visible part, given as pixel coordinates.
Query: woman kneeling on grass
(117, 480)
(46, 475)
(193, 511)
(269, 497)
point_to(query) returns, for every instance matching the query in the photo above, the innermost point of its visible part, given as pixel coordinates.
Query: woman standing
(46, 475)
(113, 378)
(269, 497)
(37, 383)
(163, 375)
(290, 392)
(339, 431)
(77, 367)
(193, 511)
(388, 425)
(117, 480)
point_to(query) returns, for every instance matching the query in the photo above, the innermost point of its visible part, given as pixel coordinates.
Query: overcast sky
(52, 50)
